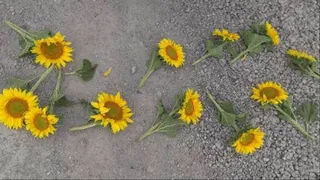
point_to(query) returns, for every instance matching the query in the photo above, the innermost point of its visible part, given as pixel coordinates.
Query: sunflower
(226, 35)
(269, 92)
(39, 123)
(53, 50)
(300, 54)
(171, 52)
(112, 110)
(249, 141)
(14, 103)
(272, 33)
(191, 108)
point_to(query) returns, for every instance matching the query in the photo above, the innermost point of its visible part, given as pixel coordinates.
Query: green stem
(55, 93)
(235, 127)
(202, 58)
(21, 31)
(210, 53)
(70, 73)
(145, 77)
(42, 77)
(294, 122)
(148, 133)
(83, 127)
(313, 74)
(239, 55)
(214, 102)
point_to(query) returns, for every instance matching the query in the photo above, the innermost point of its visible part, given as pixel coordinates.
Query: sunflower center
(41, 123)
(189, 107)
(247, 139)
(269, 92)
(17, 107)
(52, 51)
(171, 52)
(115, 111)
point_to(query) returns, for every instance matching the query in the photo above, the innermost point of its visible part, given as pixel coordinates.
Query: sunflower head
(226, 35)
(39, 123)
(14, 104)
(171, 52)
(53, 51)
(249, 141)
(269, 92)
(301, 55)
(191, 108)
(272, 33)
(113, 110)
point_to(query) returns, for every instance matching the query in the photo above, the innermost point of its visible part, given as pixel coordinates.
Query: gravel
(121, 34)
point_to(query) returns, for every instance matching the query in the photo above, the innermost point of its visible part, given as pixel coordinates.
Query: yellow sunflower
(226, 35)
(249, 141)
(14, 103)
(269, 92)
(113, 110)
(53, 50)
(300, 54)
(191, 108)
(272, 33)
(171, 52)
(39, 123)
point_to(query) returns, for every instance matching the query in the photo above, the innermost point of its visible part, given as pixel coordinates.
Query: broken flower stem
(55, 93)
(294, 122)
(21, 31)
(83, 127)
(42, 77)
(69, 73)
(145, 77)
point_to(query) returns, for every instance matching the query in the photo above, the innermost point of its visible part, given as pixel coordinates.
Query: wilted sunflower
(249, 141)
(171, 52)
(191, 108)
(112, 110)
(269, 92)
(226, 35)
(14, 103)
(53, 50)
(272, 33)
(39, 123)
(300, 54)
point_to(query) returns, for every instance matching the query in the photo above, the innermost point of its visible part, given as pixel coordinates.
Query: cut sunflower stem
(145, 77)
(22, 32)
(243, 53)
(313, 74)
(42, 77)
(55, 93)
(70, 73)
(214, 102)
(149, 132)
(235, 127)
(83, 127)
(294, 122)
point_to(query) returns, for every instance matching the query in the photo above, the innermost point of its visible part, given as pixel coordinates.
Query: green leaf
(26, 46)
(252, 41)
(226, 119)
(87, 70)
(259, 28)
(209, 45)
(233, 51)
(227, 106)
(18, 83)
(41, 34)
(266, 107)
(160, 111)
(217, 52)
(308, 111)
(63, 101)
(242, 117)
(155, 62)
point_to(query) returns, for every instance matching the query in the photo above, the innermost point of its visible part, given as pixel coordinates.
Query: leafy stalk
(294, 122)
(21, 31)
(56, 93)
(83, 127)
(212, 51)
(42, 77)
(153, 64)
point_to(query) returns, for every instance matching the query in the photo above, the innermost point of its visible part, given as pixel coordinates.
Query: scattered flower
(249, 141)
(53, 50)
(269, 92)
(14, 103)
(39, 123)
(301, 55)
(107, 72)
(171, 52)
(226, 35)
(272, 33)
(191, 108)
